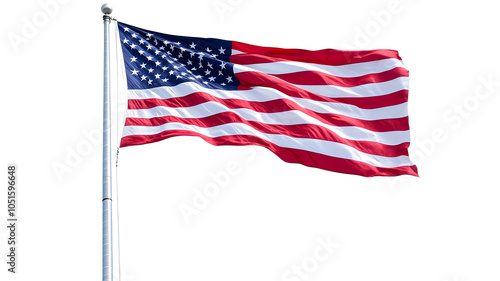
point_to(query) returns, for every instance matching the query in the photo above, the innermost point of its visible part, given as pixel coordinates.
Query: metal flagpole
(107, 238)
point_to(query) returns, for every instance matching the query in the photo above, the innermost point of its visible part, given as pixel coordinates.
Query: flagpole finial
(106, 9)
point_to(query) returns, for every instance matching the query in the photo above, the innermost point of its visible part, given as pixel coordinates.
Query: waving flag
(342, 111)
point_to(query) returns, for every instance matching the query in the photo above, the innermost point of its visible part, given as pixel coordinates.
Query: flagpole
(107, 234)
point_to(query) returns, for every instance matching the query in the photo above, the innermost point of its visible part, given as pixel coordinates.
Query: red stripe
(244, 59)
(289, 155)
(325, 57)
(321, 78)
(273, 106)
(299, 131)
(377, 101)
(249, 80)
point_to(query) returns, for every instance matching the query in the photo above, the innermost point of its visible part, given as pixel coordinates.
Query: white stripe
(328, 148)
(389, 112)
(236, 52)
(292, 117)
(366, 90)
(263, 94)
(348, 70)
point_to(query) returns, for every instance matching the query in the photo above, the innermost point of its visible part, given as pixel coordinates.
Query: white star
(142, 41)
(207, 72)
(164, 68)
(157, 52)
(229, 79)
(150, 82)
(126, 29)
(178, 77)
(150, 70)
(182, 49)
(198, 76)
(134, 72)
(157, 76)
(192, 54)
(178, 43)
(166, 42)
(157, 63)
(165, 80)
(221, 73)
(149, 47)
(192, 46)
(132, 46)
(149, 35)
(149, 57)
(210, 65)
(143, 65)
(125, 41)
(141, 52)
(222, 65)
(190, 62)
(214, 55)
(212, 79)
(143, 77)
(208, 49)
(180, 55)
(162, 48)
(133, 59)
(221, 50)
(171, 72)
(134, 35)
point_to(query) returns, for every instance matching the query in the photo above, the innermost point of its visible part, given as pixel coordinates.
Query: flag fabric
(342, 111)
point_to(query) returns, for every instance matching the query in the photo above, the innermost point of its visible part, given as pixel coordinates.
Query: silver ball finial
(106, 9)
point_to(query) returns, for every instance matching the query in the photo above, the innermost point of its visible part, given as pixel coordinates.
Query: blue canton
(154, 59)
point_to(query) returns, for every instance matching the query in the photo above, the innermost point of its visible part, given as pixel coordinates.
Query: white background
(268, 216)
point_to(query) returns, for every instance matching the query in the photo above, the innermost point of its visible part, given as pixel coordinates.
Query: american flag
(342, 111)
